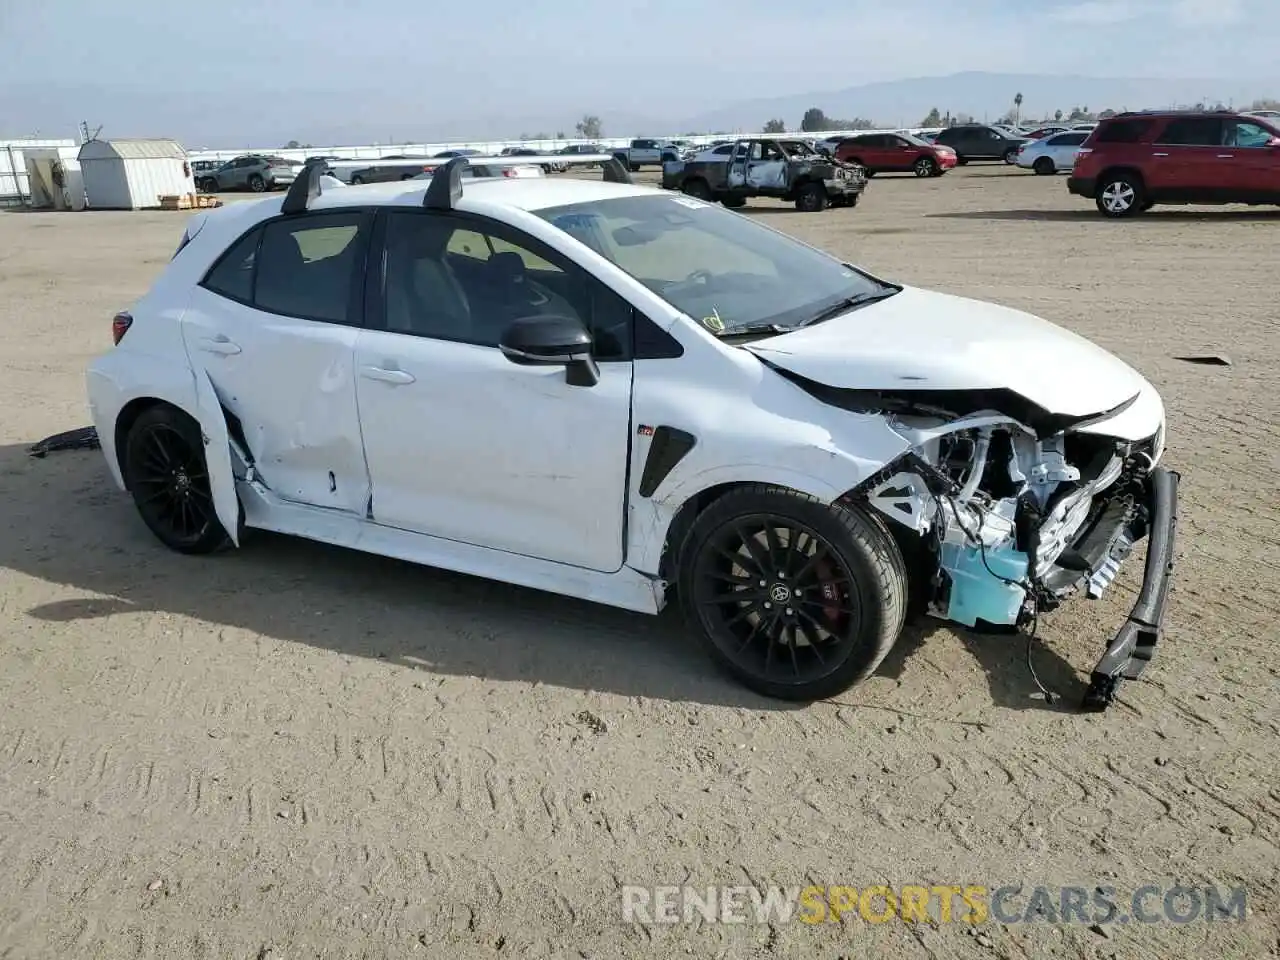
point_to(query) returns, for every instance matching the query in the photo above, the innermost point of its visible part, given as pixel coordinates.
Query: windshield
(914, 140)
(721, 268)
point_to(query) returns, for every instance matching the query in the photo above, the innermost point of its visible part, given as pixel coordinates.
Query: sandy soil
(298, 751)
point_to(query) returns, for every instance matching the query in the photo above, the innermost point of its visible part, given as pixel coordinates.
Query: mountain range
(982, 95)
(202, 118)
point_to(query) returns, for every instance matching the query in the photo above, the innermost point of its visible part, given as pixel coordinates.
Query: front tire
(166, 474)
(926, 167)
(795, 598)
(734, 203)
(357, 180)
(812, 198)
(1120, 195)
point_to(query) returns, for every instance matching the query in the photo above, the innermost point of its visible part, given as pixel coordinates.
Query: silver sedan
(1053, 154)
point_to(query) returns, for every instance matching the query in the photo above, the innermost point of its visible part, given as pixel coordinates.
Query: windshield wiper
(751, 329)
(847, 304)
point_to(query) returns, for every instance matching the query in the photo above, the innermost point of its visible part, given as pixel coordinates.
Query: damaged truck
(786, 169)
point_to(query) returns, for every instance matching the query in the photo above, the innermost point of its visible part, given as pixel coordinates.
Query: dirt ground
(297, 751)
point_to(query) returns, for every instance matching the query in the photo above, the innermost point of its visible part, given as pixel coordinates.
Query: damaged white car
(610, 392)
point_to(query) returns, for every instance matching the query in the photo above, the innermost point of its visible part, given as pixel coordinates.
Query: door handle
(1159, 154)
(219, 345)
(1225, 156)
(386, 376)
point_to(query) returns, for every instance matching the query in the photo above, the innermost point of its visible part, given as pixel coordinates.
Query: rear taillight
(509, 172)
(120, 325)
(428, 169)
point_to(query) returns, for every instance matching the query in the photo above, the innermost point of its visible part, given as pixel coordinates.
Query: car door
(1189, 160)
(898, 153)
(1253, 172)
(743, 153)
(273, 324)
(463, 443)
(769, 170)
(1063, 147)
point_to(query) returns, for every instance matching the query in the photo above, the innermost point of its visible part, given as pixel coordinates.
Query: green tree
(1017, 107)
(814, 120)
(932, 119)
(1057, 116)
(775, 126)
(589, 127)
(292, 145)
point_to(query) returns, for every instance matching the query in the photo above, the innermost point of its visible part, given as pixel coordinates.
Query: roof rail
(445, 188)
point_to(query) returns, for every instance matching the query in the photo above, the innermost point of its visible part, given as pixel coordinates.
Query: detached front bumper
(1135, 643)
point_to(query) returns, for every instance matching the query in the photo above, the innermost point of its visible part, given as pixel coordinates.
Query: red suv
(1133, 161)
(896, 152)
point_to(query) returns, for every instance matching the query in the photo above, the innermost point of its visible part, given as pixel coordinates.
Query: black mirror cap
(549, 339)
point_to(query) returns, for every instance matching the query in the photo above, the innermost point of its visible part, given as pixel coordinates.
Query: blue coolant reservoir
(975, 593)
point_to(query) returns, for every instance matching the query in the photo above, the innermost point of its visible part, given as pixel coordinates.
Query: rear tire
(961, 161)
(1044, 166)
(1120, 195)
(165, 472)
(357, 180)
(812, 198)
(697, 188)
(257, 184)
(734, 202)
(834, 582)
(1011, 156)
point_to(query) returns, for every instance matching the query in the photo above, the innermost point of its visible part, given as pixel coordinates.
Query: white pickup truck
(647, 153)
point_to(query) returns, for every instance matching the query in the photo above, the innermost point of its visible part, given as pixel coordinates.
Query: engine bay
(1013, 520)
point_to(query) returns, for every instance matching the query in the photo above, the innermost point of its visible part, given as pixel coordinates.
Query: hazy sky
(248, 65)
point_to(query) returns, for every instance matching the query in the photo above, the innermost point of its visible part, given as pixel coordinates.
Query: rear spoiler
(446, 182)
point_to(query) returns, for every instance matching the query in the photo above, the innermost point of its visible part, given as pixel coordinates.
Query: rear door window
(1122, 131)
(232, 275)
(307, 266)
(1192, 132)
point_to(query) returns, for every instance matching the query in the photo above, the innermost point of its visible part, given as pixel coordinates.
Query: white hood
(920, 340)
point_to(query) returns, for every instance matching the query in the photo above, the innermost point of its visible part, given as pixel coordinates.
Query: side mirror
(552, 340)
(1274, 143)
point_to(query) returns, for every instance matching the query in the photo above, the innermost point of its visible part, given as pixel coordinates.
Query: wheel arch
(658, 548)
(1117, 168)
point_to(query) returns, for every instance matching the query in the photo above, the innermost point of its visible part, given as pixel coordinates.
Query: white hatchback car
(616, 393)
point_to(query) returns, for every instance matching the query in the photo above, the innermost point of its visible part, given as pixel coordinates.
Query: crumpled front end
(1014, 517)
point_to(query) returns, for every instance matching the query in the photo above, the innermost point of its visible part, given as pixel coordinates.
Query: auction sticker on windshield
(690, 203)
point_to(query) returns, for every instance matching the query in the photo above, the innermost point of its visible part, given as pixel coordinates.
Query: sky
(299, 68)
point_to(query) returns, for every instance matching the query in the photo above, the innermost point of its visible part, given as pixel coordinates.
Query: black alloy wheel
(166, 474)
(800, 601)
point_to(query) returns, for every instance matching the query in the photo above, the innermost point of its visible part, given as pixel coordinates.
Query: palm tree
(1017, 108)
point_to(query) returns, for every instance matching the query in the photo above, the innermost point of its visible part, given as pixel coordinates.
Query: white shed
(133, 174)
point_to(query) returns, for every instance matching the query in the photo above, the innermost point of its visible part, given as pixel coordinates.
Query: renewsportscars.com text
(940, 903)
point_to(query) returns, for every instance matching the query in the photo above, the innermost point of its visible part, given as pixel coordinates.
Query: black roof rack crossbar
(445, 188)
(304, 189)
